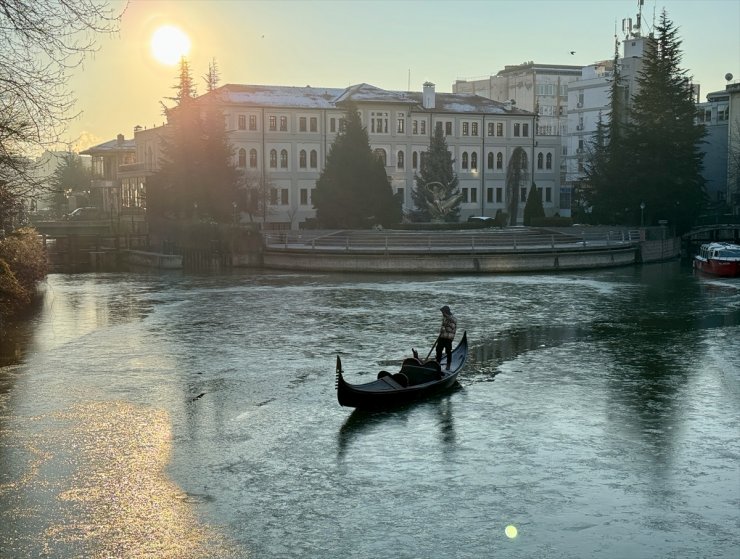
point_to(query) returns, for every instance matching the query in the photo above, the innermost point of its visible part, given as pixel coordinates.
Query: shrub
(22, 265)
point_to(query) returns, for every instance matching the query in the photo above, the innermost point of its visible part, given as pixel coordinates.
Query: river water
(192, 416)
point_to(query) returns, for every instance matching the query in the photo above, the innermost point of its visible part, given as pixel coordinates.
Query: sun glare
(169, 44)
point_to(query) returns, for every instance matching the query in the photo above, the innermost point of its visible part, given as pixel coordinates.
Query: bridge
(726, 231)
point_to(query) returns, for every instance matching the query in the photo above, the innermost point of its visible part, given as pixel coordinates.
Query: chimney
(119, 139)
(427, 100)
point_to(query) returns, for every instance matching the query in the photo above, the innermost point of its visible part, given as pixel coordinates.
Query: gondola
(415, 380)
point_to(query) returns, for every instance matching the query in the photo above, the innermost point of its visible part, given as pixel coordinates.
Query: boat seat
(401, 379)
(382, 374)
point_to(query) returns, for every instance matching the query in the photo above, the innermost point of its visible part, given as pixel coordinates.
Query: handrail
(453, 241)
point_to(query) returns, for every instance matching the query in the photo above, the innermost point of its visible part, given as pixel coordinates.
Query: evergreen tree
(663, 161)
(533, 209)
(354, 190)
(197, 177)
(70, 175)
(517, 174)
(436, 194)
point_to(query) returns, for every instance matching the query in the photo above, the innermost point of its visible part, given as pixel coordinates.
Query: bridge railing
(439, 241)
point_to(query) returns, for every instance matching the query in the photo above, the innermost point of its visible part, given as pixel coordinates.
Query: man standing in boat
(446, 335)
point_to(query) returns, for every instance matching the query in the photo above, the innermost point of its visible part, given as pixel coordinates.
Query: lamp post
(642, 214)
(233, 205)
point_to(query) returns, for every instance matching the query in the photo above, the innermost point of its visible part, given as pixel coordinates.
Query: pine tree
(69, 175)
(353, 190)
(664, 163)
(197, 177)
(436, 195)
(533, 209)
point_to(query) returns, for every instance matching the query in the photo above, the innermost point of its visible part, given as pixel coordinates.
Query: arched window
(490, 160)
(380, 154)
(415, 160)
(314, 159)
(474, 161)
(399, 160)
(273, 158)
(548, 163)
(284, 159)
(499, 161)
(540, 160)
(253, 158)
(302, 159)
(465, 160)
(524, 161)
(242, 157)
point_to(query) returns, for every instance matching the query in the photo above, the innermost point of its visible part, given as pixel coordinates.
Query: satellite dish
(728, 76)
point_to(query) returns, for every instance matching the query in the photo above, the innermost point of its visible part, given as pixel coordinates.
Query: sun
(169, 44)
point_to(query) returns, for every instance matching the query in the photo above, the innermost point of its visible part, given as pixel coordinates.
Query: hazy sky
(386, 43)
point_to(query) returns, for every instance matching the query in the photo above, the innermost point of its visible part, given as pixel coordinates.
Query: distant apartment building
(281, 137)
(715, 115)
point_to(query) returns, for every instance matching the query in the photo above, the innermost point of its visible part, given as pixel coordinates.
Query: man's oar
(431, 350)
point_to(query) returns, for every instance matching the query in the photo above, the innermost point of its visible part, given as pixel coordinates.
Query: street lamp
(642, 214)
(233, 204)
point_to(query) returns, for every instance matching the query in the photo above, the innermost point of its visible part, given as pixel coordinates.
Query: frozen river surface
(193, 416)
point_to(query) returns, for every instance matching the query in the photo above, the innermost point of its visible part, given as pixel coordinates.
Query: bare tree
(41, 42)
(255, 195)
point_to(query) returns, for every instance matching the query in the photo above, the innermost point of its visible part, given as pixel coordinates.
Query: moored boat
(415, 380)
(719, 259)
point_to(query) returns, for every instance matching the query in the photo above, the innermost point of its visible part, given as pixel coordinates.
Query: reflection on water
(597, 413)
(91, 482)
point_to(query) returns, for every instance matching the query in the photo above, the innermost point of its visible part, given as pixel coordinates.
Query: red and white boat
(719, 259)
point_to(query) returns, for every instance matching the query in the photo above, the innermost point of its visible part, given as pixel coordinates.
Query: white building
(282, 135)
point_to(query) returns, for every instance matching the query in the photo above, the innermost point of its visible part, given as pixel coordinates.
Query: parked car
(82, 214)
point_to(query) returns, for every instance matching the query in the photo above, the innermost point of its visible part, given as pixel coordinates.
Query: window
(474, 129)
(242, 157)
(273, 196)
(448, 128)
(490, 160)
(474, 161)
(283, 124)
(379, 123)
(525, 129)
(499, 161)
(273, 123)
(302, 159)
(490, 128)
(516, 129)
(314, 159)
(540, 160)
(380, 154)
(302, 124)
(524, 161)
(548, 194)
(400, 125)
(464, 192)
(474, 195)
(304, 196)
(253, 158)
(548, 164)
(401, 194)
(415, 127)
(499, 195)
(332, 124)
(283, 196)
(242, 122)
(253, 122)
(313, 124)
(415, 160)
(273, 159)
(423, 127)
(466, 129)
(489, 195)
(465, 160)
(284, 159)
(499, 129)
(399, 160)
(342, 124)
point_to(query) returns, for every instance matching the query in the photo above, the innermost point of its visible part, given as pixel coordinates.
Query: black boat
(415, 380)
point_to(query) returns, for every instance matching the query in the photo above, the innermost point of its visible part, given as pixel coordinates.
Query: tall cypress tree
(517, 174)
(353, 190)
(436, 194)
(662, 143)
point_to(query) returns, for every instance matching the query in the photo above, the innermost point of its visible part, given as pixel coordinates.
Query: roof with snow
(278, 96)
(111, 146)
